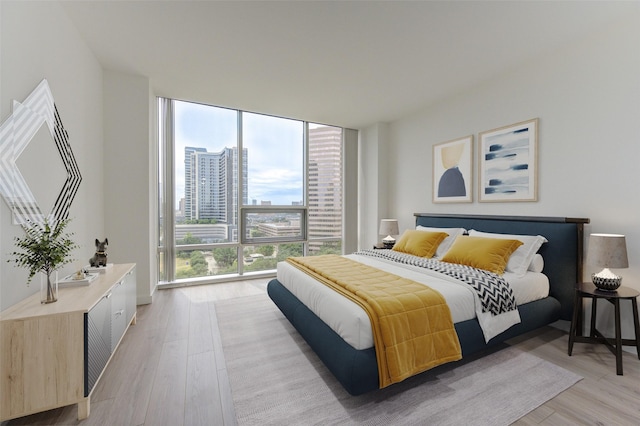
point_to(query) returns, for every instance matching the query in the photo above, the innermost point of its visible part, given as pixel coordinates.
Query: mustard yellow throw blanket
(412, 326)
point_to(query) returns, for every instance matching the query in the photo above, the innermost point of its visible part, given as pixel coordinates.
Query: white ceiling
(350, 64)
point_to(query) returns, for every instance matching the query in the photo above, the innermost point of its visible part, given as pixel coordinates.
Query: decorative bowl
(606, 284)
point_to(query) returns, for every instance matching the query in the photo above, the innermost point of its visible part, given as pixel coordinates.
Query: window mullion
(240, 196)
(169, 191)
(305, 185)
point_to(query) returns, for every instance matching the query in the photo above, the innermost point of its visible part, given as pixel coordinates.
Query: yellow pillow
(419, 243)
(490, 254)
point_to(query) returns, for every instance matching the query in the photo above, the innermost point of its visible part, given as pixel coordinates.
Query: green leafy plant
(45, 248)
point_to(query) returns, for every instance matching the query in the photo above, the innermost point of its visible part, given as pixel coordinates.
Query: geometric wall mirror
(37, 121)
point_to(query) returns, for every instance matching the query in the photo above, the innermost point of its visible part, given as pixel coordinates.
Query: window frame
(246, 211)
(167, 248)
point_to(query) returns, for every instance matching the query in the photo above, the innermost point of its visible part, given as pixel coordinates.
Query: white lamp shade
(388, 227)
(607, 251)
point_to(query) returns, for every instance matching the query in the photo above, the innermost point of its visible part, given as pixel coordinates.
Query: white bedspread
(352, 323)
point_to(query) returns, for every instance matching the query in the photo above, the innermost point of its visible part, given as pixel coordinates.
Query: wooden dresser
(52, 355)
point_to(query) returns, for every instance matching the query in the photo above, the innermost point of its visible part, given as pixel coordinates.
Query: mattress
(352, 323)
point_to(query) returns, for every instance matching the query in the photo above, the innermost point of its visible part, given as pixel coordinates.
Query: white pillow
(446, 243)
(521, 258)
(537, 263)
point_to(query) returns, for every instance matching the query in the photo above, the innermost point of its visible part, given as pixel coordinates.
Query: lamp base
(388, 242)
(606, 284)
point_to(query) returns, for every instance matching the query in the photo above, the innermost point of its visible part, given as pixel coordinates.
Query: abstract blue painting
(508, 163)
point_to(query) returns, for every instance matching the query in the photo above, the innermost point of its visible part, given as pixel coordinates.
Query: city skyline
(187, 207)
(274, 175)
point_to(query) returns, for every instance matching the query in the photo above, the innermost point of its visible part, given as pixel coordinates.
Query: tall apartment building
(325, 183)
(208, 194)
(190, 211)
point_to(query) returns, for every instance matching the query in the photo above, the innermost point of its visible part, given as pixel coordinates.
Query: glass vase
(49, 287)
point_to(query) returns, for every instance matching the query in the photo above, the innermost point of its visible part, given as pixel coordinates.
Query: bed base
(357, 370)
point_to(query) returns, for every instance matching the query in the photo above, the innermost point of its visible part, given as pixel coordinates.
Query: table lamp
(390, 228)
(607, 251)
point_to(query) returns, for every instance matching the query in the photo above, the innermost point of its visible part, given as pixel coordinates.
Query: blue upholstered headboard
(562, 254)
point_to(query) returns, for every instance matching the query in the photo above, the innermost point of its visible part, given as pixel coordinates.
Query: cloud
(275, 148)
(280, 186)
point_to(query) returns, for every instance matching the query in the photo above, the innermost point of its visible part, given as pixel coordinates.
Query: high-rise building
(211, 184)
(180, 211)
(189, 195)
(325, 184)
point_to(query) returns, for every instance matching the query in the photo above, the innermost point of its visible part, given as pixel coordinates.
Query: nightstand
(588, 290)
(380, 246)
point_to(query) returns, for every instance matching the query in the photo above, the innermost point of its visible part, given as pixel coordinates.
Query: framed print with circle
(508, 163)
(452, 171)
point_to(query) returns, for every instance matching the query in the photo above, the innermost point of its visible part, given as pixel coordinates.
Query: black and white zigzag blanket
(493, 290)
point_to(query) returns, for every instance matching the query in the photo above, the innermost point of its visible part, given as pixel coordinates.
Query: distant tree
(225, 256)
(201, 221)
(266, 250)
(183, 254)
(262, 264)
(289, 250)
(330, 248)
(230, 269)
(189, 239)
(197, 258)
(198, 263)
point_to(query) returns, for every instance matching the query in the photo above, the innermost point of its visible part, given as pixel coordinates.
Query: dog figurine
(100, 258)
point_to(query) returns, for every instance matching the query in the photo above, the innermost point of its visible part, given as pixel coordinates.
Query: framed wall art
(19, 130)
(452, 171)
(508, 163)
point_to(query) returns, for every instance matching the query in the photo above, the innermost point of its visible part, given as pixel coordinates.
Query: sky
(274, 145)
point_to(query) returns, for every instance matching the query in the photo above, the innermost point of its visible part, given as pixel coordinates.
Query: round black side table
(588, 290)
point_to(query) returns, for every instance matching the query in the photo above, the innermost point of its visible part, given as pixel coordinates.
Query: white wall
(38, 41)
(129, 176)
(110, 120)
(587, 97)
(373, 183)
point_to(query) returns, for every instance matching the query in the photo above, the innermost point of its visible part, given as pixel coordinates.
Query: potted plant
(45, 248)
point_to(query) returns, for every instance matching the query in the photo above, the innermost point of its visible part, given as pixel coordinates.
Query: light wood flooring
(170, 370)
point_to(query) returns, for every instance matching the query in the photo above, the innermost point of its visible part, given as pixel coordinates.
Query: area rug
(276, 379)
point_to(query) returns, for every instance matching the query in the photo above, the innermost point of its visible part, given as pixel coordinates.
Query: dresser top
(70, 299)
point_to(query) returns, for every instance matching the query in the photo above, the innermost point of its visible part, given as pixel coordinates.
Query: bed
(357, 369)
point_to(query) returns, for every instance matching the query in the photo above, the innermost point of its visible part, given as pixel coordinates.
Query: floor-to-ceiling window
(240, 191)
